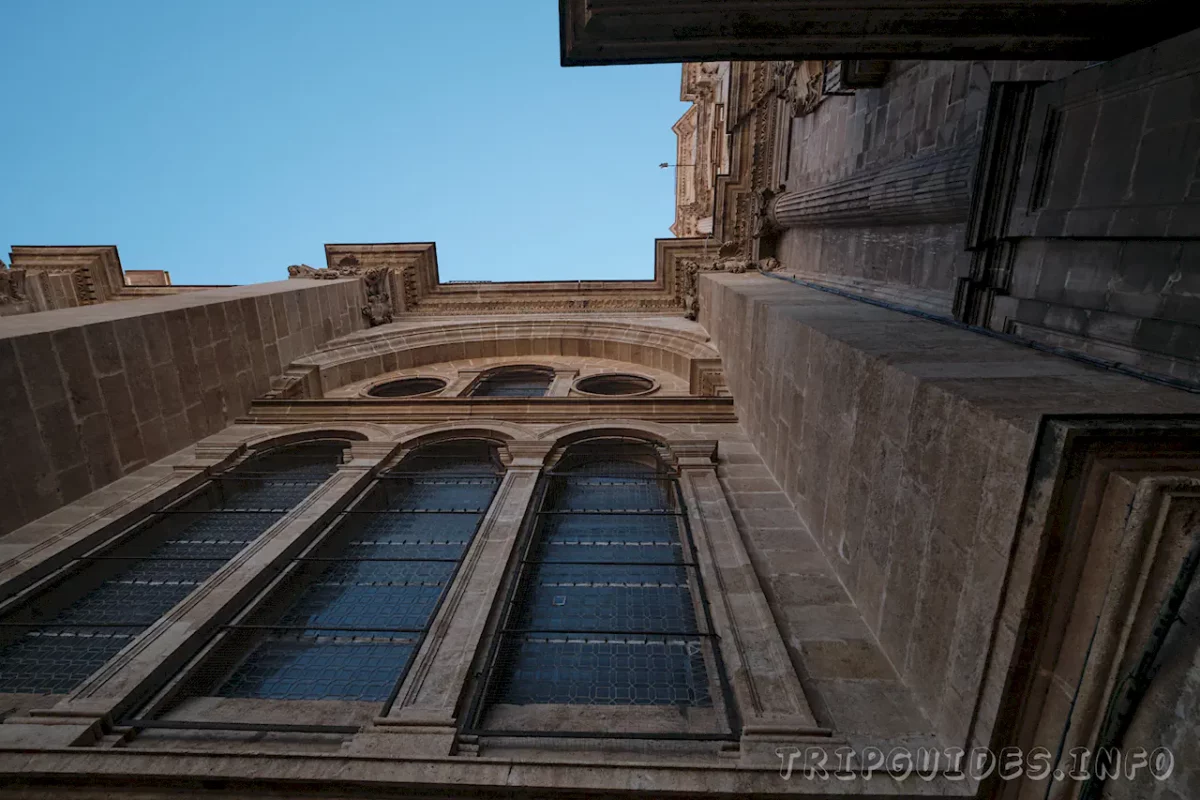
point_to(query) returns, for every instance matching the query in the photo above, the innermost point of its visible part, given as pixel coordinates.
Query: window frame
(490, 675)
(497, 373)
(172, 691)
(443, 384)
(579, 383)
(56, 576)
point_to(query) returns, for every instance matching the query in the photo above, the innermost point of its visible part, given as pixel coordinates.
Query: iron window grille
(68, 625)
(607, 610)
(344, 619)
(514, 382)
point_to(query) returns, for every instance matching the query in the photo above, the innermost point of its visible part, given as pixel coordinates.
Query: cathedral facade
(864, 481)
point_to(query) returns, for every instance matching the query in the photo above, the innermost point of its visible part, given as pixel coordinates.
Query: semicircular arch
(635, 428)
(381, 351)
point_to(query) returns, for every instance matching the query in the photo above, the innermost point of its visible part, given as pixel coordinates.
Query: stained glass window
(101, 601)
(608, 607)
(350, 613)
(514, 382)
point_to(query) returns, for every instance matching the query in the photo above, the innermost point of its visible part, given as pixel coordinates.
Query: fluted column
(929, 189)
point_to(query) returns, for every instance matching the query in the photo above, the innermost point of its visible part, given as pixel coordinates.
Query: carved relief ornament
(12, 285)
(801, 85)
(689, 276)
(376, 282)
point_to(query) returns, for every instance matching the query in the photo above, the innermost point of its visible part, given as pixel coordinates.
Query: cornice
(402, 278)
(530, 410)
(96, 269)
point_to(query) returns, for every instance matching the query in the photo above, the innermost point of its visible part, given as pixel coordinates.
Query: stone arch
(669, 345)
(354, 431)
(487, 428)
(651, 431)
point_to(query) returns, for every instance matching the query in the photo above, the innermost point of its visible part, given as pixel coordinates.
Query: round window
(407, 387)
(614, 384)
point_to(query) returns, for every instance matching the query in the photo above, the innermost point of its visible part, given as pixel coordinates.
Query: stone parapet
(90, 394)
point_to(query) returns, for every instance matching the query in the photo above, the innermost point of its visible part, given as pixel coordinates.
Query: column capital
(371, 451)
(529, 454)
(218, 451)
(694, 453)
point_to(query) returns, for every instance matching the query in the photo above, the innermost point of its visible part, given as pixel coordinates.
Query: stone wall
(905, 446)
(925, 107)
(849, 682)
(846, 678)
(90, 394)
(1095, 241)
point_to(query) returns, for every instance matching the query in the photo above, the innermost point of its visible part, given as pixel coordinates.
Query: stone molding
(83, 532)
(373, 452)
(402, 280)
(694, 453)
(800, 85)
(255, 775)
(381, 351)
(595, 32)
(94, 273)
(1005, 132)
(487, 427)
(528, 454)
(514, 409)
(707, 378)
(44, 278)
(1117, 497)
(690, 276)
(770, 700)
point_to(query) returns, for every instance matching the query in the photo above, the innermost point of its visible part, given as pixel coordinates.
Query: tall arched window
(607, 630)
(345, 617)
(514, 382)
(73, 622)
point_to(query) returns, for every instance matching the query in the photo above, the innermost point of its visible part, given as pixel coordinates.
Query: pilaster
(769, 698)
(462, 384)
(563, 380)
(422, 720)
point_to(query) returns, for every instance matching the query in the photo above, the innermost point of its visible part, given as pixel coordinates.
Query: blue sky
(225, 140)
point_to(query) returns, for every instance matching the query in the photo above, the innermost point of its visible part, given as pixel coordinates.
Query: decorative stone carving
(376, 281)
(800, 85)
(331, 273)
(378, 310)
(12, 285)
(738, 128)
(690, 269)
(303, 271)
(707, 379)
(762, 225)
(702, 147)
